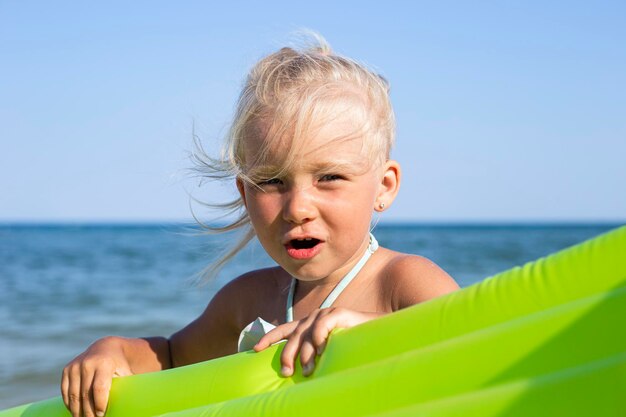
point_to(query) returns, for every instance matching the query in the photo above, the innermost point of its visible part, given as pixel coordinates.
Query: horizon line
(397, 222)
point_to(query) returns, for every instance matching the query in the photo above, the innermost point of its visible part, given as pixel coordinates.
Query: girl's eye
(330, 177)
(270, 181)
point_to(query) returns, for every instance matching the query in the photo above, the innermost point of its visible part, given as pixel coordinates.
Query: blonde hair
(288, 94)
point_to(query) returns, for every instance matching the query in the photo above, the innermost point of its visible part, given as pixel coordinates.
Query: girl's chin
(306, 273)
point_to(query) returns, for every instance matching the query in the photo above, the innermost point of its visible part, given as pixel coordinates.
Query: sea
(62, 286)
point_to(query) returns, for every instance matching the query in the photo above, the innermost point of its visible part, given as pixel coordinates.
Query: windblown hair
(286, 97)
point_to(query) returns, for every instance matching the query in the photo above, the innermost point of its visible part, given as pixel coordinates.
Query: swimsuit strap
(340, 286)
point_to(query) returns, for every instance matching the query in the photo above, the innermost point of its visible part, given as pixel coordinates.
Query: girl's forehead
(325, 144)
(330, 155)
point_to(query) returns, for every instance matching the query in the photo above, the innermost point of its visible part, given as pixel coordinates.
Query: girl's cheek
(264, 207)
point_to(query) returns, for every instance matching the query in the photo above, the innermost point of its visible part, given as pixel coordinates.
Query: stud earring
(381, 206)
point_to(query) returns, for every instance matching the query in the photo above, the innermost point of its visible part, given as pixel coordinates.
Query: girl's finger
(101, 389)
(276, 335)
(294, 343)
(73, 392)
(65, 386)
(290, 352)
(307, 356)
(86, 392)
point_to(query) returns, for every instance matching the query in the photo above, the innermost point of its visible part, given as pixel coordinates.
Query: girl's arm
(215, 333)
(86, 380)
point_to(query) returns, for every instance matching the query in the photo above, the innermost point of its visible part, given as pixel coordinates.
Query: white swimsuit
(253, 332)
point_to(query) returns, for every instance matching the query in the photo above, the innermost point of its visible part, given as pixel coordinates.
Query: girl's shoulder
(411, 279)
(258, 281)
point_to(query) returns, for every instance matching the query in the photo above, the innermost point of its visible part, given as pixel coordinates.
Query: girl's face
(314, 219)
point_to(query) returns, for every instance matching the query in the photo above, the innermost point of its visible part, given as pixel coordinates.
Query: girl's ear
(389, 185)
(242, 191)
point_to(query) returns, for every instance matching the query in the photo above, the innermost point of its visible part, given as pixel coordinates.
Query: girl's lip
(303, 254)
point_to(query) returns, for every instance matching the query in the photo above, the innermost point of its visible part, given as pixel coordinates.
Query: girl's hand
(308, 336)
(86, 380)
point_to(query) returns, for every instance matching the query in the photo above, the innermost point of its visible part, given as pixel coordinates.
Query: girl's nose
(299, 206)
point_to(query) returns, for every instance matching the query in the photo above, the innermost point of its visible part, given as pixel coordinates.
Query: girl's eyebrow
(315, 167)
(338, 166)
(266, 170)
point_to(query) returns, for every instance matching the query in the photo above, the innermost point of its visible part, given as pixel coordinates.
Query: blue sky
(507, 111)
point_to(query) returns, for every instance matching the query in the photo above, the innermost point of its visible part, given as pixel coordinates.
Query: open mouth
(307, 243)
(306, 248)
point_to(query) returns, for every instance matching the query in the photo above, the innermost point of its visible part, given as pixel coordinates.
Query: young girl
(309, 152)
